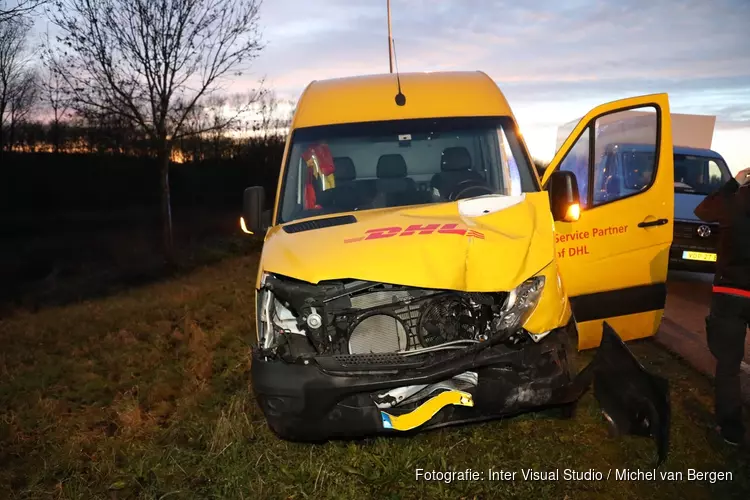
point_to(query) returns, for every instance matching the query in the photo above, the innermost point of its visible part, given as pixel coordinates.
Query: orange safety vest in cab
(320, 174)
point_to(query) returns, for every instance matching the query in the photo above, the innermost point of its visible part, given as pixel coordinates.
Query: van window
(577, 162)
(621, 161)
(625, 156)
(699, 174)
(360, 166)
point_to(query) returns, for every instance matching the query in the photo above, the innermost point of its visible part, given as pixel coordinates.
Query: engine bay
(354, 318)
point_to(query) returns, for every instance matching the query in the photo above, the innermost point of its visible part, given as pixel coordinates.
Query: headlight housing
(521, 302)
(263, 301)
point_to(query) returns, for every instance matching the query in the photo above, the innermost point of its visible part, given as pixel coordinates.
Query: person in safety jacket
(729, 317)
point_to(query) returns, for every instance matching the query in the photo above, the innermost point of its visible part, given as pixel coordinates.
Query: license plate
(706, 257)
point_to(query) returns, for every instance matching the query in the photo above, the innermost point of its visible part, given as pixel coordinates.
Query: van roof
(679, 150)
(708, 153)
(372, 98)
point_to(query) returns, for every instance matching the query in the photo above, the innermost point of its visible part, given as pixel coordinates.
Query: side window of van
(509, 164)
(577, 162)
(716, 176)
(625, 154)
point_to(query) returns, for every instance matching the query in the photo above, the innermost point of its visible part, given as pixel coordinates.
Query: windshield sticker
(388, 232)
(579, 239)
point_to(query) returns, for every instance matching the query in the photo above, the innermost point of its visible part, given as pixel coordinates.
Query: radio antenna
(400, 97)
(390, 38)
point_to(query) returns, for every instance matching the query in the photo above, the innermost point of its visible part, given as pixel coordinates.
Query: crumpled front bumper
(327, 399)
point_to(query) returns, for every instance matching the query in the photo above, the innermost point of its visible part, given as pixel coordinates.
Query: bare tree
(214, 114)
(153, 61)
(219, 115)
(13, 62)
(273, 116)
(19, 8)
(21, 103)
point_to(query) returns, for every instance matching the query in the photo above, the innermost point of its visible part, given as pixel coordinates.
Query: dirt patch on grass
(145, 394)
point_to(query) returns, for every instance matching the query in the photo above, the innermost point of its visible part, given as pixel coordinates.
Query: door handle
(657, 222)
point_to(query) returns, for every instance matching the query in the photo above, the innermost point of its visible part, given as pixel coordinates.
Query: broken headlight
(520, 303)
(265, 331)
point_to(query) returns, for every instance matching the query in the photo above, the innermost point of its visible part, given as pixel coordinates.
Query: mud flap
(632, 400)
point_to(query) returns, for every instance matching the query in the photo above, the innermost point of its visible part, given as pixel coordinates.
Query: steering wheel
(469, 188)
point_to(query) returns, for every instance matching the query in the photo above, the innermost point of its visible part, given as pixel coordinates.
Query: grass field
(55, 259)
(144, 394)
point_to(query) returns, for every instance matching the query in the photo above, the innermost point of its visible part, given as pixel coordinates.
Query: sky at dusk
(554, 60)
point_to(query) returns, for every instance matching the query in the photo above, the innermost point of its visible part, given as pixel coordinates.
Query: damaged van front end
(343, 358)
(374, 358)
(410, 278)
(468, 361)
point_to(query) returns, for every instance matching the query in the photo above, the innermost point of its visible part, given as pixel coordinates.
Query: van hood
(484, 244)
(685, 204)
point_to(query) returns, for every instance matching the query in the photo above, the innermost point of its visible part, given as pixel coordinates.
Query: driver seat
(455, 167)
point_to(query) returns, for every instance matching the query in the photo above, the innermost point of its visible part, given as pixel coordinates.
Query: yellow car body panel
(495, 252)
(371, 98)
(463, 256)
(614, 249)
(553, 309)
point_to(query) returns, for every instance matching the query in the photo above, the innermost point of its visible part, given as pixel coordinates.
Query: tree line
(138, 77)
(29, 131)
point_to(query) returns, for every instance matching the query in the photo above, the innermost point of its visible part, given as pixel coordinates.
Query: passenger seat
(394, 188)
(455, 167)
(348, 193)
(345, 171)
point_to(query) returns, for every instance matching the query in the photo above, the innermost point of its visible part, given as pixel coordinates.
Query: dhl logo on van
(388, 232)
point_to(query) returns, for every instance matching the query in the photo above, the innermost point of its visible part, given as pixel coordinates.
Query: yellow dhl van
(417, 273)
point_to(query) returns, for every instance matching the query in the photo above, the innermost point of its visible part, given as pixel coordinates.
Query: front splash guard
(632, 400)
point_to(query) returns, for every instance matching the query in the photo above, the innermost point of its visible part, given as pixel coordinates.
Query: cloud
(537, 51)
(553, 60)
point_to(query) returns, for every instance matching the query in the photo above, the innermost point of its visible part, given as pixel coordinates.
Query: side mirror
(564, 199)
(255, 219)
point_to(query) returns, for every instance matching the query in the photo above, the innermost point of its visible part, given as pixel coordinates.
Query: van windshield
(699, 174)
(360, 166)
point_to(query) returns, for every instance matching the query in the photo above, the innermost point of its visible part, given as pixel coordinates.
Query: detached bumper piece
(324, 399)
(632, 400)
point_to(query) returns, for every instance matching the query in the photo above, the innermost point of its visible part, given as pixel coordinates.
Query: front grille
(686, 235)
(350, 360)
